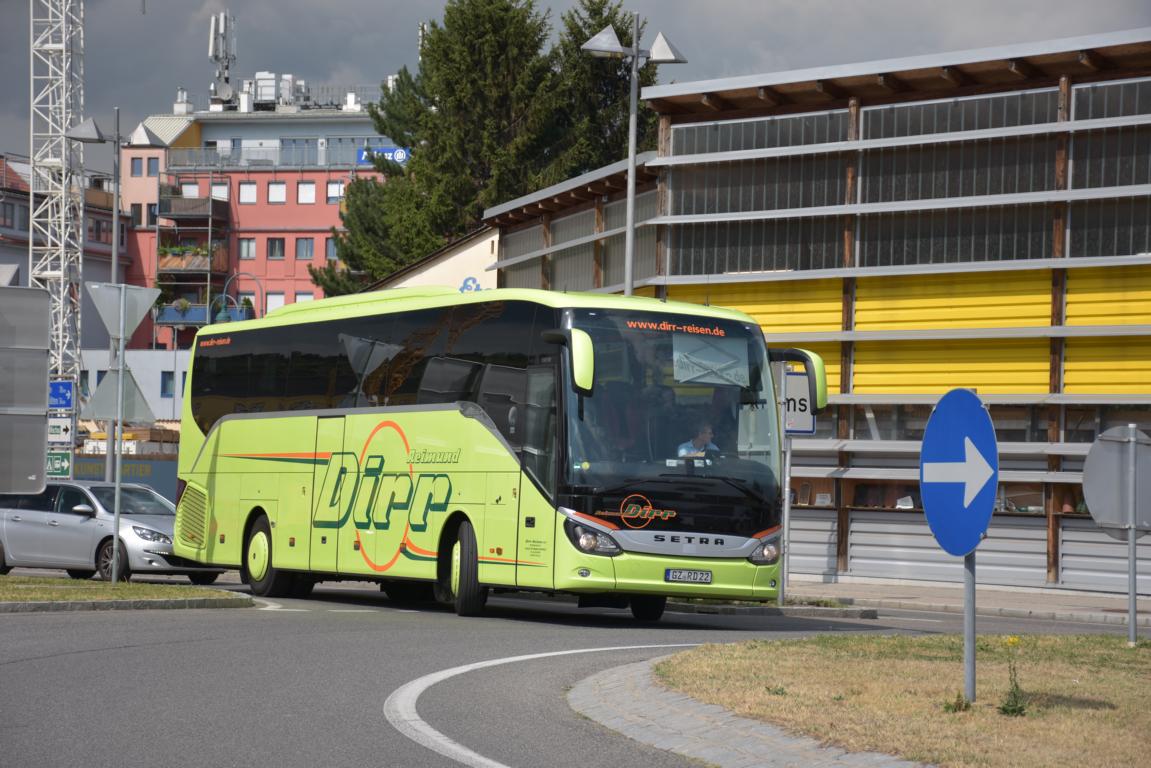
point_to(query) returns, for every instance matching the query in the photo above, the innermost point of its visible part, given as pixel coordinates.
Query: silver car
(69, 526)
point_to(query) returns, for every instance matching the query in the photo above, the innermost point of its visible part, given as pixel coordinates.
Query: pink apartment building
(230, 206)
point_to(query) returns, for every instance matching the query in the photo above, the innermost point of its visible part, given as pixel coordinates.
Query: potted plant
(181, 305)
(249, 310)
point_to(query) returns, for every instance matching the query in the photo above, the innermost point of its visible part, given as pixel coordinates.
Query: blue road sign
(959, 471)
(60, 395)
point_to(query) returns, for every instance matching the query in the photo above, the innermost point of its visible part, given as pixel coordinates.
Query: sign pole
(969, 625)
(119, 445)
(785, 534)
(1132, 535)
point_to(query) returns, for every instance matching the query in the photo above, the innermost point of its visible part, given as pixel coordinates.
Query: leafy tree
(590, 126)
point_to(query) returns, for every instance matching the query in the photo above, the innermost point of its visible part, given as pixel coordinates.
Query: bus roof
(408, 299)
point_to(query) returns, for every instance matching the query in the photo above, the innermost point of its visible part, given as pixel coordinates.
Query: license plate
(687, 576)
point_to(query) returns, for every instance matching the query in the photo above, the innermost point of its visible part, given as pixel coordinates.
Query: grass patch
(35, 589)
(1085, 697)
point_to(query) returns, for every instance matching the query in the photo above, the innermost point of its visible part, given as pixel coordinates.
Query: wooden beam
(1094, 60)
(715, 102)
(891, 83)
(1024, 69)
(830, 89)
(957, 77)
(665, 107)
(770, 96)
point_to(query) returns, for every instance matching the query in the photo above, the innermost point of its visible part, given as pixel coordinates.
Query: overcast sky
(136, 61)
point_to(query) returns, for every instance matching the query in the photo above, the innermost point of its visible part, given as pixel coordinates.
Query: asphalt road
(304, 682)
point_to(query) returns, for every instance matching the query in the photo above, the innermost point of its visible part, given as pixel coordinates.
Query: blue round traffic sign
(959, 471)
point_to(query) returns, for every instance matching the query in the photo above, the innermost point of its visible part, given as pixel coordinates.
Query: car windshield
(674, 396)
(133, 501)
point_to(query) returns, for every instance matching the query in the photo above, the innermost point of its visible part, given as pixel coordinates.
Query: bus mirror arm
(581, 355)
(813, 366)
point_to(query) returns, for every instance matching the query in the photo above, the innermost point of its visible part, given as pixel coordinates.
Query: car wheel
(4, 569)
(104, 562)
(203, 579)
(648, 608)
(262, 577)
(468, 596)
(80, 574)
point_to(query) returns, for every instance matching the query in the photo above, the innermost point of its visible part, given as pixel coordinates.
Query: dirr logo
(638, 512)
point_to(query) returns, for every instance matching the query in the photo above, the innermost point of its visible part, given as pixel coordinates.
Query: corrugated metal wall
(1107, 366)
(782, 307)
(900, 546)
(974, 300)
(812, 542)
(1090, 559)
(1114, 296)
(1000, 366)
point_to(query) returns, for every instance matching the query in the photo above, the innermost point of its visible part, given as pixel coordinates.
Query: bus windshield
(674, 398)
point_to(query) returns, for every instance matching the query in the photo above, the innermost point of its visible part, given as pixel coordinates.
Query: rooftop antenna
(222, 52)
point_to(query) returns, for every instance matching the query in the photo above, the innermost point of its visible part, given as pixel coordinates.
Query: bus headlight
(591, 541)
(766, 553)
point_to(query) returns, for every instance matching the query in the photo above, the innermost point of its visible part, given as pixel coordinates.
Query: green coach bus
(446, 445)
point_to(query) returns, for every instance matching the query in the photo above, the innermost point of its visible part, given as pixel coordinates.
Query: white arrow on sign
(973, 472)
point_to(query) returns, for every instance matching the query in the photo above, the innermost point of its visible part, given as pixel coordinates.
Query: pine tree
(590, 127)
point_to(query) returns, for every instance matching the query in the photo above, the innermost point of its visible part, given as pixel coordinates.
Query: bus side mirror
(813, 367)
(581, 353)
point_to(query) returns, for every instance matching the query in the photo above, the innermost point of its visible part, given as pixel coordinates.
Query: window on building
(330, 248)
(247, 247)
(189, 189)
(84, 383)
(335, 191)
(151, 214)
(137, 166)
(153, 166)
(275, 248)
(100, 377)
(183, 382)
(277, 192)
(167, 379)
(249, 297)
(308, 296)
(275, 301)
(305, 192)
(22, 223)
(8, 215)
(137, 214)
(305, 248)
(219, 190)
(247, 193)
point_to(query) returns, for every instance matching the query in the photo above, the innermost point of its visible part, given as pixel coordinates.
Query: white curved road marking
(272, 605)
(400, 708)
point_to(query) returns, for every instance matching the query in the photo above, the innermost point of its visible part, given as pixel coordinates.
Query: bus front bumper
(641, 574)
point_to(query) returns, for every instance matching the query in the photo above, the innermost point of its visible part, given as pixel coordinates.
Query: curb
(801, 611)
(1011, 613)
(241, 601)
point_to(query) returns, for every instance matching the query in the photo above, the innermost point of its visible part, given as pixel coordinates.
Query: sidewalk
(1048, 603)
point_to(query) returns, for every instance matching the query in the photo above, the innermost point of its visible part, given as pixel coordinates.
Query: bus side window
(501, 395)
(540, 425)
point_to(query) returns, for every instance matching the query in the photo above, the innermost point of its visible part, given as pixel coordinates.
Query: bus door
(333, 491)
(537, 515)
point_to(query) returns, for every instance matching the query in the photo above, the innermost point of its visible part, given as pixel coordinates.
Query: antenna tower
(55, 244)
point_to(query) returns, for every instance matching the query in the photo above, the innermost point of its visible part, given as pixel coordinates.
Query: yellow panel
(992, 366)
(1107, 366)
(1116, 296)
(779, 307)
(828, 350)
(189, 139)
(958, 300)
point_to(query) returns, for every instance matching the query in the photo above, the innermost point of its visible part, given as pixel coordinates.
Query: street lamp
(88, 132)
(606, 45)
(250, 276)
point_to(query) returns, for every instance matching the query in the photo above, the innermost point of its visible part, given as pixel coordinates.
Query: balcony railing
(253, 157)
(175, 207)
(199, 314)
(192, 259)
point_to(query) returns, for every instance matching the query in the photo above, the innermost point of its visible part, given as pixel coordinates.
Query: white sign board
(60, 430)
(799, 418)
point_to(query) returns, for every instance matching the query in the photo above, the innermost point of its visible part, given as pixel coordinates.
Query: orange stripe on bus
(604, 523)
(277, 455)
(768, 532)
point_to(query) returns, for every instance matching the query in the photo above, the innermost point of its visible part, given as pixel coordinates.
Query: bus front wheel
(647, 607)
(467, 594)
(262, 577)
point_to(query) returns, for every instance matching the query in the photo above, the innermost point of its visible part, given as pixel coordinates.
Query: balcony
(176, 207)
(181, 313)
(183, 259)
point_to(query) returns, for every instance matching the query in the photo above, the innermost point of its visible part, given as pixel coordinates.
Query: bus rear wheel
(263, 578)
(648, 607)
(468, 596)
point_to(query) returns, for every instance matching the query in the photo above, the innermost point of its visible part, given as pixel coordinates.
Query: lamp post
(250, 276)
(88, 132)
(606, 45)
